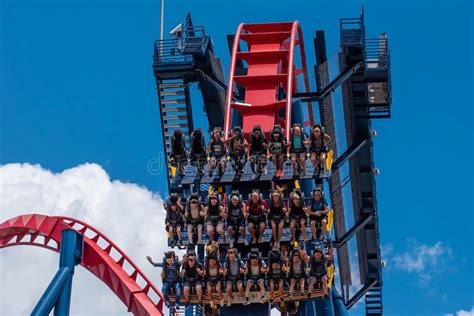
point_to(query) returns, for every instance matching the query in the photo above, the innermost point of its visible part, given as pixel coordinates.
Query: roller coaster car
(178, 155)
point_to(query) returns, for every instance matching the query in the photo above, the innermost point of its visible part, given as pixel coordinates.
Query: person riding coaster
(255, 212)
(277, 146)
(191, 272)
(256, 268)
(170, 276)
(174, 217)
(234, 269)
(257, 150)
(178, 155)
(318, 213)
(235, 218)
(215, 216)
(297, 274)
(237, 145)
(276, 274)
(276, 215)
(216, 149)
(298, 143)
(318, 272)
(297, 214)
(213, 271)
(318, 147)
(198, 150)
(194, 218)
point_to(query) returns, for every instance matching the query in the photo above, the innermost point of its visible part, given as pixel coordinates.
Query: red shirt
(256, 208)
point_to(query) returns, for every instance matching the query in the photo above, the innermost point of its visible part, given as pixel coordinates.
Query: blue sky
(76, 86)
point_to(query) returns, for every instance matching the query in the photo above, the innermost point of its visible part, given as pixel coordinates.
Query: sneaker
(246, 242)
(186, 306)
(167, 304)
(176, 306)
(201, 304)
(231, 243)
(229, 302)
(221, 303)
(246, 301)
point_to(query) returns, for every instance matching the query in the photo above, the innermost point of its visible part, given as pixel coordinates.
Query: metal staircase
(373, 301)
(175, 112)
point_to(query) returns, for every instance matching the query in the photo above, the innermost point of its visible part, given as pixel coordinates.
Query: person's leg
(302, 158)
(171, 231)
(313, 229)
(240, 288)
(314, 159)
(252, 231)
(248, 287)
(209, 292)
(303, 227)
(179, 233)
(198, 288)
(274, 231)
(293, 229)
(294, 164)
(280, 229)
(190, 234)
(281, 284)
(292, 286)
(261, 231)
(199, 229)
(324, 228)
(229, 292)
(210, 231)
(242, 231)
(261, 288)
(165, 289)
(324, 281)
(272, 288)
(312, 282)
(177, 291)
(322, 159)
(219, 292)
(302, 285)
(186, 290)
(220, 230)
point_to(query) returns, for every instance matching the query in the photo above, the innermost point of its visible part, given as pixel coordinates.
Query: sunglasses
(213, 198)
(194, 202)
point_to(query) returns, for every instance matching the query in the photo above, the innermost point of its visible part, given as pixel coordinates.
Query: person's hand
(318, 213)
(149, 259)
(242, 270)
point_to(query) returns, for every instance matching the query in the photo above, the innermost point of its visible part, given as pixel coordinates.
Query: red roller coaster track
(270, 70)
(100, 256)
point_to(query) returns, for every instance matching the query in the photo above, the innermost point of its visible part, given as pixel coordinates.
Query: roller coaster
(256, 192)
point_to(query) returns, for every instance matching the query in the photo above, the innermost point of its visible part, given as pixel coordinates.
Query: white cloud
(128, 214)
(424, 260)
(465, 313)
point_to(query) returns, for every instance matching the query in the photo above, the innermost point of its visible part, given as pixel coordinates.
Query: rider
(318, 271)
(275, 272)
(215, 216)
(297, 215)
(318, 146)
(318, 212)
(257, 147)
(174, 216)
(170, 276)
(277, 146)
(194, 217)
(298, 143)
(298, 270)
(255, 212)
(237, 145)
(235, 218)
(191, 272)
(276, 216)
(234, 269)
(213, 271)
(178, 149)
(198, 149)
(255, 270)
(216, 150)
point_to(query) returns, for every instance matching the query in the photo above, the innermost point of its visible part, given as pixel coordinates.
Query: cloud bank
(130, 215)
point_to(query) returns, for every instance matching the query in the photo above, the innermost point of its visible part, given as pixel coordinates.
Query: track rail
(271, 67)
(101, 257)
